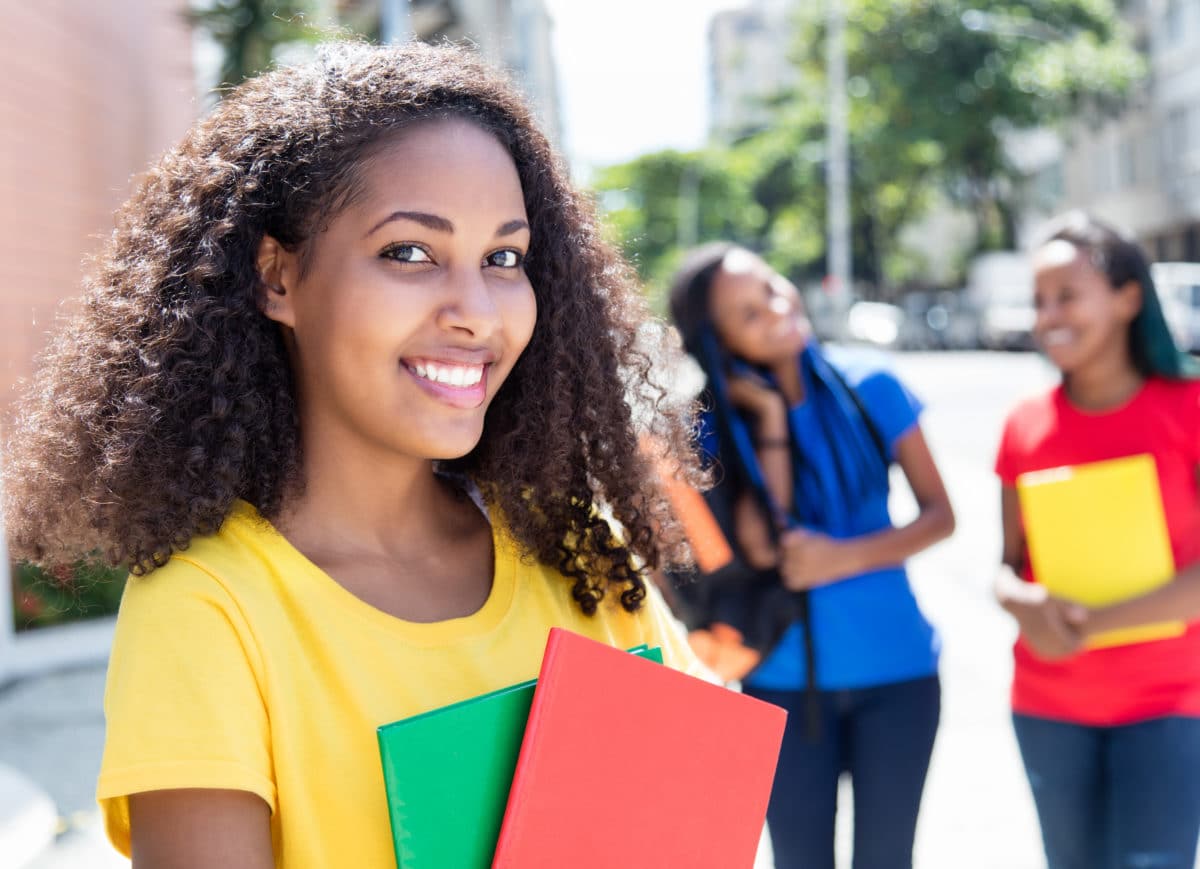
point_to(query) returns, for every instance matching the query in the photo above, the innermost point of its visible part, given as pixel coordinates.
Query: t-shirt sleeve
(1193, 418)
(1005, 466)
(893, 409)
(182, 700)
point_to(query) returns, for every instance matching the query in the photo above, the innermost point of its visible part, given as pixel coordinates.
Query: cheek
(519, 313)
(749, 340)
(736, 337)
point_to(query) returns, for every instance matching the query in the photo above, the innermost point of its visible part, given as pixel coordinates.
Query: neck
(364, 503)
(1105, 384)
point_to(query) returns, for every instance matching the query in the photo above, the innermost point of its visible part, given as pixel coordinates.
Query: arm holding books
(1048, 624)
(1178, 599)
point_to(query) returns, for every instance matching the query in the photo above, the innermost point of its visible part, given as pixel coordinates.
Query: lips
(457, 384)
(1059, 337)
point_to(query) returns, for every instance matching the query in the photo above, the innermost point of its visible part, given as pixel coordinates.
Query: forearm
(772, 448)
(893, 546)
(1177, 600)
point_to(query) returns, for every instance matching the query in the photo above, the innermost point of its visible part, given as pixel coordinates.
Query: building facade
(748, 64)
(1141, 169)
(513, 34)
(93, 92)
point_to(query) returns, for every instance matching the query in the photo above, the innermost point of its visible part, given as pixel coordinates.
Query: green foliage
(250, 32)
(41, 598)
(937, 84)
(934, 85)
(662, 203)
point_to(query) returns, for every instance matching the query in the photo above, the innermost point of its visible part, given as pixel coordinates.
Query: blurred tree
(86, 590)
(249, 32)
(937, 86)
(661, 203)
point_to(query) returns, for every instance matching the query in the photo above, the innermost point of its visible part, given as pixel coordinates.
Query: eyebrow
(441, 224)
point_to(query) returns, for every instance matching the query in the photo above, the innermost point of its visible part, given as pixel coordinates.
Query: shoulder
(871, 375)
(219, 569)
(1181, 396)
(1170, 415)
(889, 404)
(1034, 411)
(861, 367)
(1030, 427)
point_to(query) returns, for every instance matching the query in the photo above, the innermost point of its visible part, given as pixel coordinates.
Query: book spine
(526, 760)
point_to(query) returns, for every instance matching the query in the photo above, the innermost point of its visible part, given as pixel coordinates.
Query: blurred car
(1178, 286)
(1000, 287)
(953, 322)
(942, 320)
(875, 323)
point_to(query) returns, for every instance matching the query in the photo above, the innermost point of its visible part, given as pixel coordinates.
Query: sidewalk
(53, 735)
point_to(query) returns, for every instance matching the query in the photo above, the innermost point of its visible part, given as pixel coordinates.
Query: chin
(456, 445)
(786, 353)
(1066, 362)
(452, 448)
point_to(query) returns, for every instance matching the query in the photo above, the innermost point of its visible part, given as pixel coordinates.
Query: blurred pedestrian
(803, 437)
(1110, 736)
(346, 393)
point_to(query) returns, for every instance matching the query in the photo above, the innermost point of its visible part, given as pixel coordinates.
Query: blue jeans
(1115, 797)
(883, 737)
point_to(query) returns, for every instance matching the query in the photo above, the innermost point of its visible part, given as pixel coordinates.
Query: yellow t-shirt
(240, 664)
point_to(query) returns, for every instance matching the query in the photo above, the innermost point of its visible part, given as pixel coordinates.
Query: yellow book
(1097, 535)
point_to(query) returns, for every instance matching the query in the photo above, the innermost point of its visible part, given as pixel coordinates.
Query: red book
(627, 763)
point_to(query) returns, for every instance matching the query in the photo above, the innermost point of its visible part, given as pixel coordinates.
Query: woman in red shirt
(1110, 736)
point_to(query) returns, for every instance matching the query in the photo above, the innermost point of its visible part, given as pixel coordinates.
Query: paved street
(977, 812)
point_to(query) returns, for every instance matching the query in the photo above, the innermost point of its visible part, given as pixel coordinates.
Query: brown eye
(406, 253)
(506, 259)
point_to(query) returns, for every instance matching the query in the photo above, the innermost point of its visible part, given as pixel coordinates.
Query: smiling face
(1082, 319)
(757, 312)
(412, 304)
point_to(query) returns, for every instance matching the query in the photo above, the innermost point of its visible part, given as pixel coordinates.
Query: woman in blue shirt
(804, 437)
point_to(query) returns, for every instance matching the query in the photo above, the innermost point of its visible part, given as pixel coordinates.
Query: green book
(448, 772)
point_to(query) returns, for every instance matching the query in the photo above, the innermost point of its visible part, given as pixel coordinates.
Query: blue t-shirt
(868, 629)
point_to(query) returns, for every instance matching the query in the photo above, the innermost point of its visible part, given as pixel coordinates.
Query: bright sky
(633, 75)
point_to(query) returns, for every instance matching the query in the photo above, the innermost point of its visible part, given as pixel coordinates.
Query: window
(1173, 22)
(1178, 140)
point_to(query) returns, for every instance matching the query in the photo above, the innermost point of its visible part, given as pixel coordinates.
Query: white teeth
(1057, 336)
(459, 376)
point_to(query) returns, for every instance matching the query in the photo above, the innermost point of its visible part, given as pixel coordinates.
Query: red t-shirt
(1121, 684)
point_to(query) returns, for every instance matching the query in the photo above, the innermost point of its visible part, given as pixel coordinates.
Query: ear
(278, 270)
(1129, 296)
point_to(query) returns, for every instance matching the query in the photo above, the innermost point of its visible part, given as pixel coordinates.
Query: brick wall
(91, 91)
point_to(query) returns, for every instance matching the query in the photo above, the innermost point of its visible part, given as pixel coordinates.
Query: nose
(470, 307)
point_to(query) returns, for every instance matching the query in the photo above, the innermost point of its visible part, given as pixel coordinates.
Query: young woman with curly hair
(349, 395)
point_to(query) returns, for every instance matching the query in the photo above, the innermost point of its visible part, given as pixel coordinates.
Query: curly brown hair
(169, 395)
